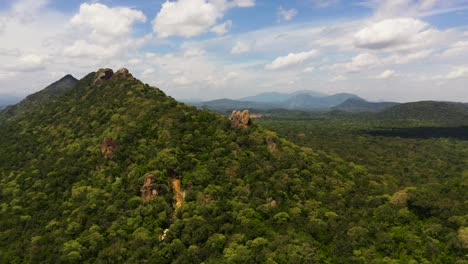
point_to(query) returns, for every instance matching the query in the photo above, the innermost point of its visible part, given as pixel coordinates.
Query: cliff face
(179, 194)
(108, 146)
(148, 190)
(240, 120)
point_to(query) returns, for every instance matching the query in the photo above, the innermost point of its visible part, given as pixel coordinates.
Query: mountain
(276, 97)
(269, 97)
(51, 92)
(8, 99)
(55, 89)
(112, 170)
(309, 102)
(359, 105)
(428, 111)
(295, 101)
(309, 92)
(227, 105)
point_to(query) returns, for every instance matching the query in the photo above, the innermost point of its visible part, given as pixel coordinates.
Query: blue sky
(400, 50)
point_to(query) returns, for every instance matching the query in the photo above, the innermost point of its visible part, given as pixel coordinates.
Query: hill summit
(111, 170)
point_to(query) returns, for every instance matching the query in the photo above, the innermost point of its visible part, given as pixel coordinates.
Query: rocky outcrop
(240, 119)
(124, 72)
(103, 75)
(148, 191)
(108, 146)
(179, 194)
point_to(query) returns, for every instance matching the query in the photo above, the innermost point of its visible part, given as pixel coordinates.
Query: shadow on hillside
(460, 133)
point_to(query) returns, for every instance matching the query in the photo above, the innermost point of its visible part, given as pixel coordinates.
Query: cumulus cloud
(386, 74)
(104, 32)
(458, 72)
(27, 63)
(286, 14)
(360, 62)
(456, 49)
(188, 18)
(193, 52)
(222, 28)
(104, 22)
(291, 59)
(408, 57)
(397, 33)
(83, 48)
(239, 48)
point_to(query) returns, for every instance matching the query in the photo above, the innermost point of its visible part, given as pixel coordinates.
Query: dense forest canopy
(112, 170)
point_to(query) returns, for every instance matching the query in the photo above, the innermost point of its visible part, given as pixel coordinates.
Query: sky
(381, 50)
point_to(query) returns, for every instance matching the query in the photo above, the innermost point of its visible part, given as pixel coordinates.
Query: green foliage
(250, 196)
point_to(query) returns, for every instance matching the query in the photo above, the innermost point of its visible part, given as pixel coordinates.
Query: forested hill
(448, 112)
(114, 171)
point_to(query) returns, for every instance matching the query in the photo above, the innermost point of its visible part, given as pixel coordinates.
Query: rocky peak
(148, 190)
(103, 75)
(240, 119)
(106, 74)
(108, 146)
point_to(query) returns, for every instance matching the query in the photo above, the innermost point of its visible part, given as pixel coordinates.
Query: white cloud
(193, 52)
(103, 32)
(182, 81)
(397, 33)
(83, 48)
(427, 4)
(188, 18)
(240, 48)
(309, 70)
(387, 74)
(458, 72)
(405, 58)
(27, 63)
(361, 62)
(243, 3)
(339, 78)
(286, 14)
(106, 23)
(413, 8)
(291, 59)
(324, 3)
(148, 71)
(222, 28)
(457, 49)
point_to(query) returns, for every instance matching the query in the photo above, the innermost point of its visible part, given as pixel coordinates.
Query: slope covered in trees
(446, 112)
(115, 171)
(422, 166)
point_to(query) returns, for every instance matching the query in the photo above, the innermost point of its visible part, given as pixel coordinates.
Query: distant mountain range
(7, 99)
(359, 105)
(276, 97)
(301, 100)
(52, 91)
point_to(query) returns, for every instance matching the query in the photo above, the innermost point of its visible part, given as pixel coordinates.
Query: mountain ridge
(357, 105)
(88, 154)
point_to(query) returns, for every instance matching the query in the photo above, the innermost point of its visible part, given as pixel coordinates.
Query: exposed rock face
(148, 190)
(240, 119)
(179, 194)
(103, 75)
(123, 71)
(108, 147)
(122, 74)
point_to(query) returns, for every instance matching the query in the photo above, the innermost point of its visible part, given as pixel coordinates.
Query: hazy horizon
(403, 51)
